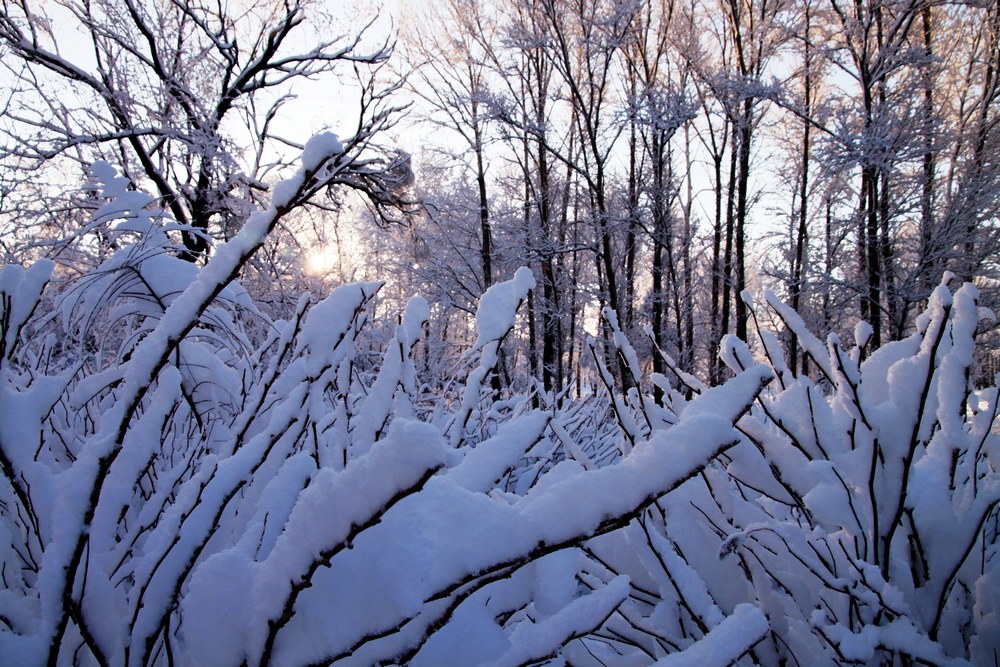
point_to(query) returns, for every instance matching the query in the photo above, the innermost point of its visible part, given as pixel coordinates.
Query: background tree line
(657, 157)
(661, 157)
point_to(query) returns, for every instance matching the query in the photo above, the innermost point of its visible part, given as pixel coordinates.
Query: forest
(512, 332)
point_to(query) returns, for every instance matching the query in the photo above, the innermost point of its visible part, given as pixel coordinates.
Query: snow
(284, 192)
(445, 532)
(390, 392)
(498, 304)
(21, 289)
(490, 459)
(319, 148)
(535, 641)
(900, 635)
(494, 318)
(863, 333)
(812, 345)
(724, 643)
(328, 317)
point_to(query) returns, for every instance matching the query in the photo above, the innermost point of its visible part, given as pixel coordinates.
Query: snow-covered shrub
(187, 482)
(877, 529)
(180, 487)
(858, 512)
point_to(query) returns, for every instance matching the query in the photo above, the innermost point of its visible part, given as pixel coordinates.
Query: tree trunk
(741, 218)
(802, 232)
(928, 252)
(484, 213)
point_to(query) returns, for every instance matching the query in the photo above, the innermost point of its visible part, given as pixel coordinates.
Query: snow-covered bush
(186, 482)
(875, 535)
(858, 512)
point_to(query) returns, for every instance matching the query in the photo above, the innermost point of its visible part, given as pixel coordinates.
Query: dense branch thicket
(186, 481)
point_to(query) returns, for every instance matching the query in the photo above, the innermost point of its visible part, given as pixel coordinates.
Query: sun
(321, 260)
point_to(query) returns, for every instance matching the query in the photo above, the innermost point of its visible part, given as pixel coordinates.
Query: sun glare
(321, 260)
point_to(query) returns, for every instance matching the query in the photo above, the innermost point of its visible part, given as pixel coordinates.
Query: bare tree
(872, 39)
(659, 107)
(450, 76)
(174, 94)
